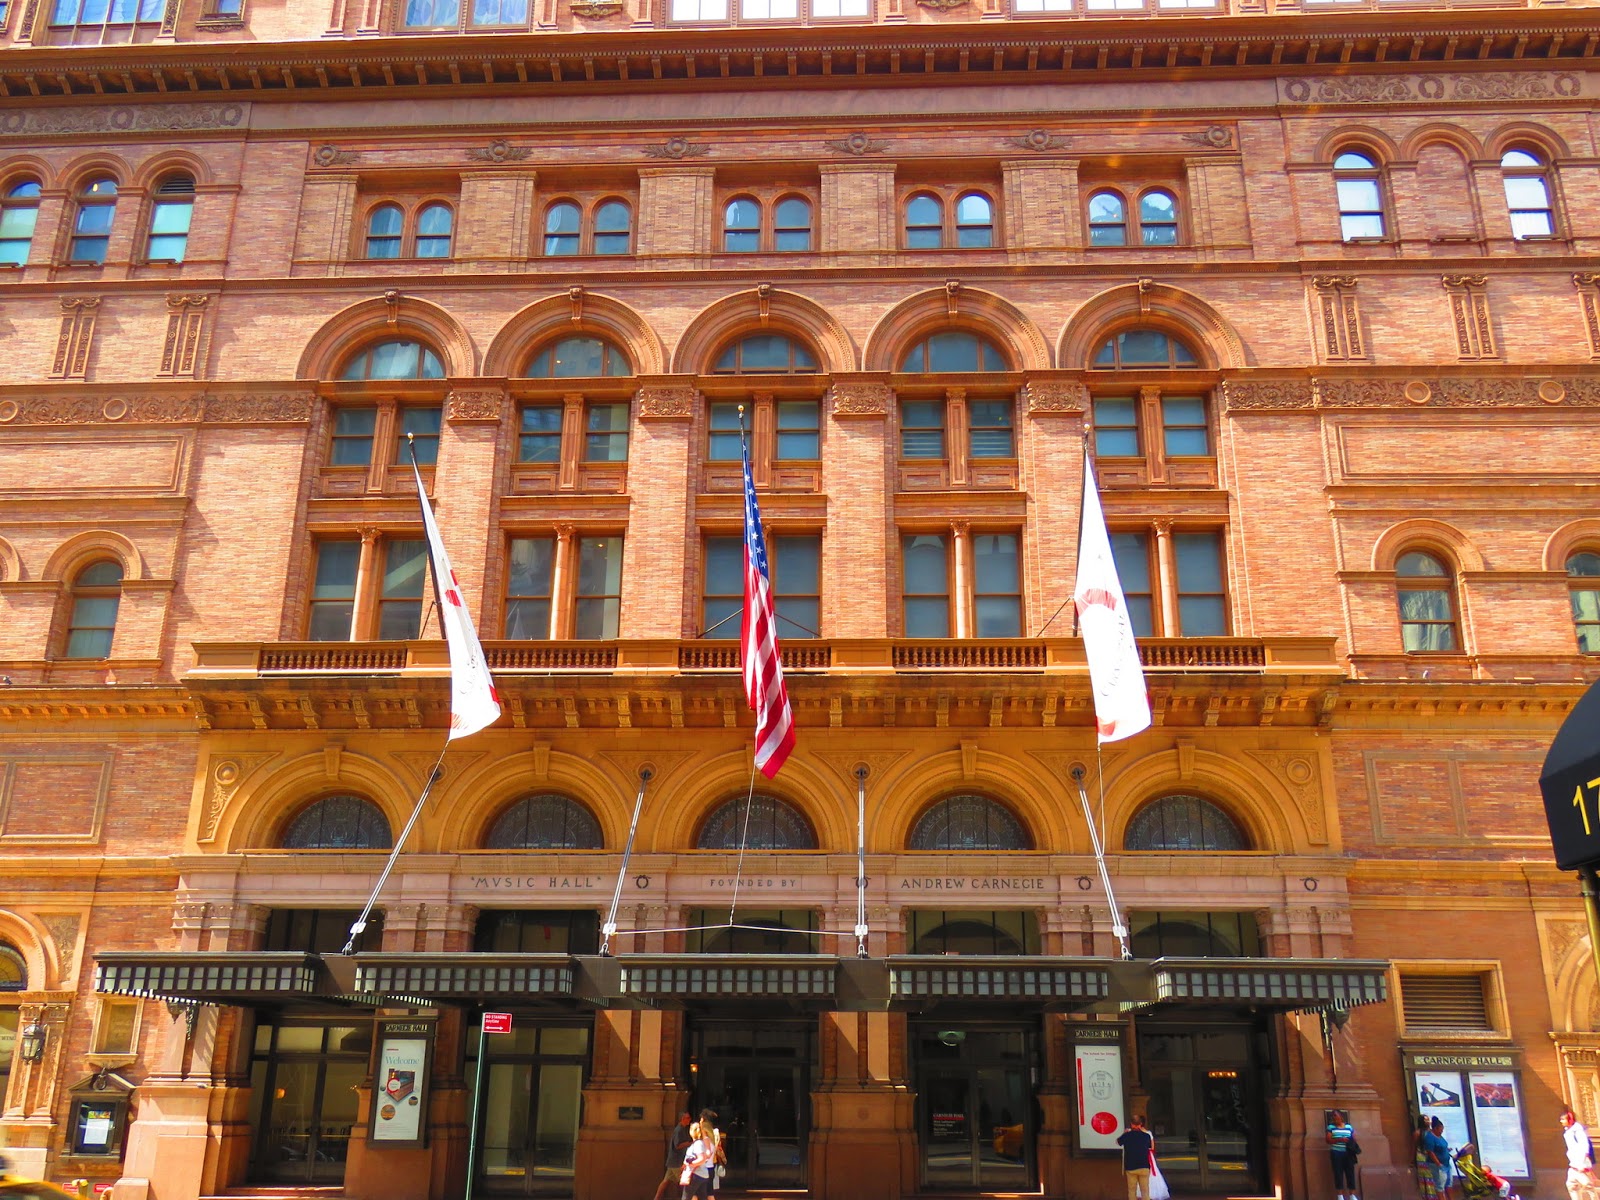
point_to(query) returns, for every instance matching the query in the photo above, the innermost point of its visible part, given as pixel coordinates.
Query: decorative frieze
(677, 148)
(1397, 89)
(474, 404)
(122, 118)
(1055, 396)
(1469, 315)
(667, 403)
(857, 143)
(1037, 140)
(860, 398)
(1338, 317)
(1267, 393)
(1482, 392)
(159, 409)
(188, 333)
(502, 151)
(76, 338)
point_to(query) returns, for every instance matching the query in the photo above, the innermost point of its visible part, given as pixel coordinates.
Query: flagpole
(862, 770)
(1117, 927)
(610, 927)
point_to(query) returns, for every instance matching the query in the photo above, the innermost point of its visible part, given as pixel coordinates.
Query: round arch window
(545, 822)
(773, 824)
(578, 358)
(765, 354)
(969, 823)
(1142, 349)
(13, 969)
(953, 350)
(338, 823)
(1184, 823)
(393, 359)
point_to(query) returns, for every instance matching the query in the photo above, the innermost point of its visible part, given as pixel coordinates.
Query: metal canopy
(1290, 984)
(688, 978)
(218, 976)
(428, 978)
(916, 980)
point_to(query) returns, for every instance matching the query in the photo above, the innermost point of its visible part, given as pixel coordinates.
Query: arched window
(96, 594)
(1583, 584)
(1158, 218)
(338, 823)
(91, 227)
(169, 219)
(1527, 194)
(954, 350)
(563, 224)
(772, 824)
(613, 228)
(385, 231)
(765, 354)
(394, 359)
(974, 221)
(1183, 823)
(791, 224)
(924, 222)
(1142, 349)
(1108, 220)
(435, 223)
(741, 226)
(578, 358)
(13, 971)
(1359, 185)
(937, 931)
(1425, 589)
(19, 213)
(968, 823)
(545, 822)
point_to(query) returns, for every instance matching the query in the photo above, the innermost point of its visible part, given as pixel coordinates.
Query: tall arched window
(968, 823)
(765, 354)
(91, 226)
(435, 223)
(96, 595)
(1359, 185)
(1108, 219)
(338, 823)
(791, 224)
(1184, 823)
(169, 219)
(1158, 218)
(13, 970)
(393, 359)
(974, 221)
(1527, 194)
(741, 226)
(613, 228)
(953, 350)
(547, 821)
(563, 225)
(1425, 590)
(1583, 584)
(19, 213)
(385, 231)
(924, 222)
(578, 358)
(772, 824)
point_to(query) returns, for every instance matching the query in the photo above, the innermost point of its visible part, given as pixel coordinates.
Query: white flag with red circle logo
(474, 704)
(1121, 703)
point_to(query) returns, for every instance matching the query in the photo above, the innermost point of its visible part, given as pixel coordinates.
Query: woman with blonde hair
(700, 1159)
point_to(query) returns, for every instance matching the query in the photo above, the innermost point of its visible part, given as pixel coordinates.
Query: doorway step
(273, 1191)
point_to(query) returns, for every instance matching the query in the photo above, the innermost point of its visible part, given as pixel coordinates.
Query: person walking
(1437, 1153)
(699, 1160)
(1138, 1152)
(1342, 1152)
(678, 1140)
(1581, 1182)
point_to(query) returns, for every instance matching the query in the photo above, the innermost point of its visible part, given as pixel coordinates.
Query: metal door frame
(967, 1069)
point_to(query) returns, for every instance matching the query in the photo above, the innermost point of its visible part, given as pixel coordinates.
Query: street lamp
(33, 1039)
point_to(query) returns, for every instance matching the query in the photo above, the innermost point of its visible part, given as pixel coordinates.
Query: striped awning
(1050, 982)
(1290, 984)
(215, 977)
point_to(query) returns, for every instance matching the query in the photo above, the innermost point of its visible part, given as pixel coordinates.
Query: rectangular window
(320, 930)
(1026, 6)
(169, 230)
(796, 566)
(799, 434)
(922, 429)
(723, 594)
(537, 931)
(599, 594)
(1183, 427)
(997, 585)
(1116, 427)
(989, 433)
(528, 587)
(769, 10)
(782, 931)
(840, 8)
(333, 594)
(92, 233)
(926, 588)
(1202, 599)
(722, 443)
(499, 12)
(405, 574)
(607, 438)
(352, 436)
(1132, 554)
(699, 10)
(422, 424)
(1194, 934)
(540, 439)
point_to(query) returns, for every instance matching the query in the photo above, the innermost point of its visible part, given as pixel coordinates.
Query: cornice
(1332, 48)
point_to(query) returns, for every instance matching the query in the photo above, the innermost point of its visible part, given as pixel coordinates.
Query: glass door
(758, 1079)
(1203, 1111)
(531, 1108)
(975, 1109)
(304, 1101)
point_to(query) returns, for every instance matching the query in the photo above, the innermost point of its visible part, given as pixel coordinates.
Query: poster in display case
(400, 1084)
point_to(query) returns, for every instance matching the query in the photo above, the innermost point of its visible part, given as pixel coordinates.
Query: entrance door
(303, 1096)
(1203, 1109)
(530, 1108)
(975, 1108)
(758, 1078)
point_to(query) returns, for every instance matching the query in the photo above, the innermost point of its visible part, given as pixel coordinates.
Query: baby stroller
(1478, 1182)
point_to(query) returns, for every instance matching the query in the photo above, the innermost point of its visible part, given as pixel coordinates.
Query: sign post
(492, 1023)
(1570, 784)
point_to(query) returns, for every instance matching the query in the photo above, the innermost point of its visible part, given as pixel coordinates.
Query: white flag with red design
(474, 704)
(1121, 703)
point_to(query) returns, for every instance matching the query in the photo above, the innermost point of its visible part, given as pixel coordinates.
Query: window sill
(218, 24)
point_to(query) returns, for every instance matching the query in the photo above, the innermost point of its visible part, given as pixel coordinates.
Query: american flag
(758, 639)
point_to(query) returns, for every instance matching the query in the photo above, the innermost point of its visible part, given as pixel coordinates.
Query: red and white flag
(1121, 703)
(474, 704)
(758, 636)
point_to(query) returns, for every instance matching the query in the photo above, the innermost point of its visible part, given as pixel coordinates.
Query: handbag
(1158, 1182)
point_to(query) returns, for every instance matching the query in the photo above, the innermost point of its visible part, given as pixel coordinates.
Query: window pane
(989, 429)
(1202, 616)
(404, 576)
(796, 584)
(924, 210)
(528, 588)
(336, 570)
(579, 357)
(612, 228)
(1531, 224)
(607, 438)
(540, 439)
(1526, 191)
(1350, 161)
(1184, 426)
(922, 429)
(1199, 562)
(927, 617)
(89, 643)
(1585, 563)
(1116, 431)
(742, 226)
(1159, 207)
(1434, 638)
(1358, 195)
(998, 585)
(723, 442)
(1432, 604)
(561, 223)
(171, 216)
(1131, 551)
(798, 435)
(723, 594)
(599, 587)
(1415, 562)
(423, 426)
(352, 437)
(792, 224)
(926, 586)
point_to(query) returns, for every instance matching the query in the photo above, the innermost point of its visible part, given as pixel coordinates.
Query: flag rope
(1117, 927)
(610, 927)
(744, 837)
(360, 924)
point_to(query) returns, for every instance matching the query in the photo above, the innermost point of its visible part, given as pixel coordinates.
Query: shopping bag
(1158, 1184)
